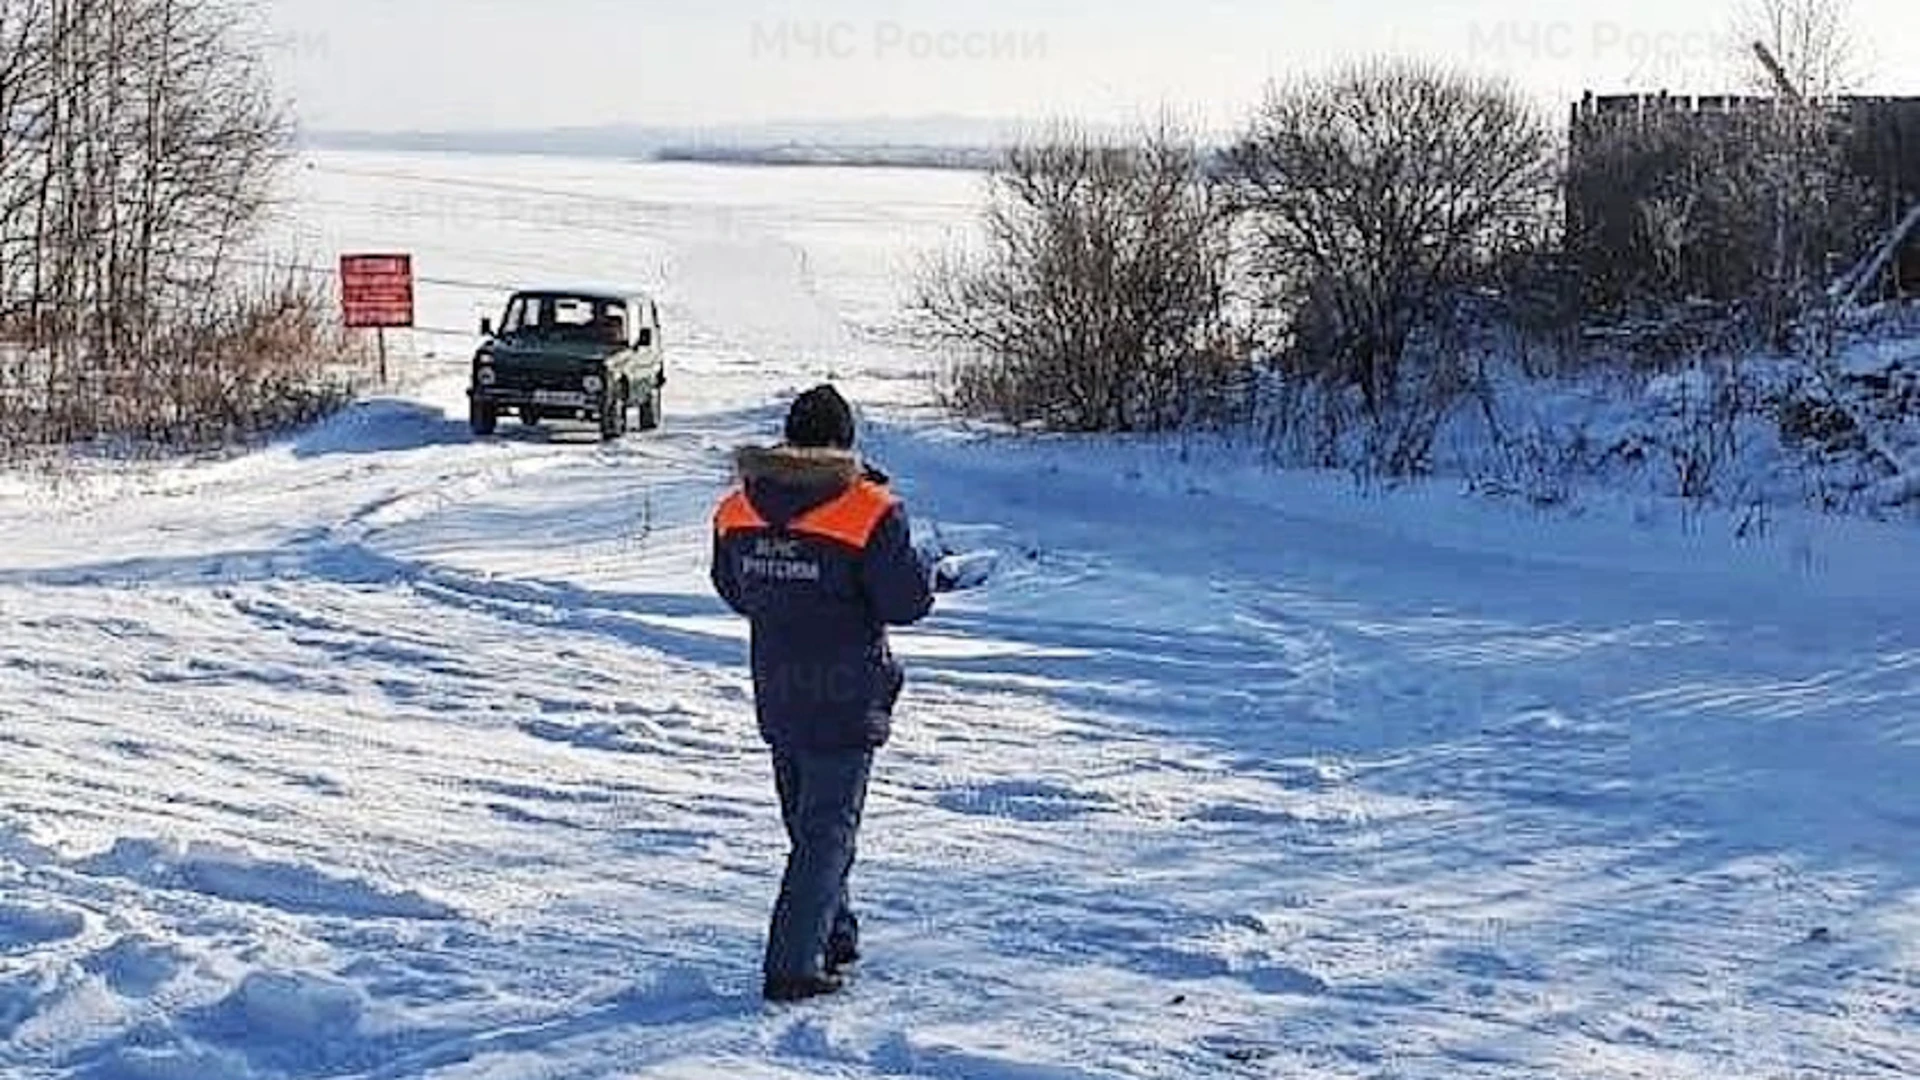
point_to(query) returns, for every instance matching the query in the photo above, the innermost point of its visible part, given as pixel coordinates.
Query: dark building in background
(1878, 144)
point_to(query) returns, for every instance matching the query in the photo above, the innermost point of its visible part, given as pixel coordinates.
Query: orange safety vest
(848, 518)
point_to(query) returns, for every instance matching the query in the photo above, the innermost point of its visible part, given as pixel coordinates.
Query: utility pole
(1772, 64)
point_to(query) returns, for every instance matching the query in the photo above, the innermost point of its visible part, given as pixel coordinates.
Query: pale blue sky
(411, 64)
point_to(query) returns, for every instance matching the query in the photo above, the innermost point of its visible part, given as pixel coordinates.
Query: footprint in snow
(1034, 801)
(135, 966)
(24, 928)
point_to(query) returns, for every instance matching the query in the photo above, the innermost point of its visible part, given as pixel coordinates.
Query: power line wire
(332, 271)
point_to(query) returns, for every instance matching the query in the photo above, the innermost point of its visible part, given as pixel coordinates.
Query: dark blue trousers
(822, 797)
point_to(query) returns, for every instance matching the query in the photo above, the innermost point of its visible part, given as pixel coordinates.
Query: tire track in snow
(1200, 801)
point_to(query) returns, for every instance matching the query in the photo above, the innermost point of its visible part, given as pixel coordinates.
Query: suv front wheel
(483, 417)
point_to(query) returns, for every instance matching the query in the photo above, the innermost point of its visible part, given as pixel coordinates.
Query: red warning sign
(376, 291)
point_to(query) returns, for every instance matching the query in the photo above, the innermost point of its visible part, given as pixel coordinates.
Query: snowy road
(384, 753)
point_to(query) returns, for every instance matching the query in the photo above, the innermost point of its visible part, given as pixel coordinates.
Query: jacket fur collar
(800, 467)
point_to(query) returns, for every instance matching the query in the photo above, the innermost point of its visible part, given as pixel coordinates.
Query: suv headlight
(593, 384)
(484, 376)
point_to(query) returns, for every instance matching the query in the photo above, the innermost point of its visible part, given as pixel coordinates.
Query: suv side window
(521, 316)
(612, 323)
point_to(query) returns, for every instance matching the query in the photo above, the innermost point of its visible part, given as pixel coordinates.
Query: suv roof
(587, 292)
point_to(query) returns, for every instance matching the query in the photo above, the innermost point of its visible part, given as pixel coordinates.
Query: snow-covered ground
(385, 753)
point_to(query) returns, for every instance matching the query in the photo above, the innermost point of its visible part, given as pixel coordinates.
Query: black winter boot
(788, 989)
(842, 952)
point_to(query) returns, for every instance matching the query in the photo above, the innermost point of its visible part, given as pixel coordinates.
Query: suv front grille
(511, 378)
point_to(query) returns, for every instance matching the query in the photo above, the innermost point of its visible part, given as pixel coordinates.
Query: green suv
(570, 354)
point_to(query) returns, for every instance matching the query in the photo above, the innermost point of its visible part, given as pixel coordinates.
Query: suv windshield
(557, 317)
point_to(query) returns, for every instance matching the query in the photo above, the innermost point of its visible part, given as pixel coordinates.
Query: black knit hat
(820, 418)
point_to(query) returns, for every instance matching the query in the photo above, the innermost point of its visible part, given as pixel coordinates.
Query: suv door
(631, 366)
(651, 347)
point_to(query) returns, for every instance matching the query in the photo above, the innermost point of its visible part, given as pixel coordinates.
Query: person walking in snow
(815, 550)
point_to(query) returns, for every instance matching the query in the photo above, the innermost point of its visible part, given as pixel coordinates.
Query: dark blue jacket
(816, 552)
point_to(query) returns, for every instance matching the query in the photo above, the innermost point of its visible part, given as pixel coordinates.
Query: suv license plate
(559, 397)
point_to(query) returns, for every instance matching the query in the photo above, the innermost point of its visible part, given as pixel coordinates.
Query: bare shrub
(1539, 465)
(1374, 196)
(1098, 300)
(271, 356)
(1709, 408)
(1323, 423)
(251, 360)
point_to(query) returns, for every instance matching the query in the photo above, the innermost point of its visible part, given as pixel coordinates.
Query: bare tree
(140, 143)
(1097, 300)
(1375, 192)
(1811, 41)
